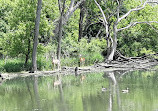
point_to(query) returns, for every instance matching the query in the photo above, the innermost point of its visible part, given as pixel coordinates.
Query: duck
(125, 90)
(103, 89)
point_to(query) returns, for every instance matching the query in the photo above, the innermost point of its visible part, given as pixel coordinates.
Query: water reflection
(39, 93)
(36, 92)
(114, 96)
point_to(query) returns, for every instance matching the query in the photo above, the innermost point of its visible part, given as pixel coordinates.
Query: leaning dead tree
(112, 28)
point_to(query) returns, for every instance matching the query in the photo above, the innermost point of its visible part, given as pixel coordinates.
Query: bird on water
(103, 89)
(125, 90)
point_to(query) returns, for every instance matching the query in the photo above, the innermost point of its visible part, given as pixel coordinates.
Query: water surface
(38, 93)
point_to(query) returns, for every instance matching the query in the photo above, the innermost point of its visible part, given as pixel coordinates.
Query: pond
(35, 93)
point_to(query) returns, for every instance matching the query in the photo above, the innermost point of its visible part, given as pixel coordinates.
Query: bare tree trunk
(60, 28)
(35, 43)
(81, 21)
(108, 41)
(59, 39)
(114, 44)
(28, 53)
(107, 29)
(108, 47)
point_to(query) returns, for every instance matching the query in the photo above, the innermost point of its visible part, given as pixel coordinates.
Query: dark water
(38, 93)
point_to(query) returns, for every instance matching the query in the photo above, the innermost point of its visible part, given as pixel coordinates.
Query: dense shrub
(14, 65)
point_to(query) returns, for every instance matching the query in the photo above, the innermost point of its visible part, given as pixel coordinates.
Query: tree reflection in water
(114, 93)
(38, 93)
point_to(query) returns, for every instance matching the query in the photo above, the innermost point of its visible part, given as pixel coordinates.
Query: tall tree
(113, 30)
(64, 17)
(35, 42)
(61, 9)
(81, 20)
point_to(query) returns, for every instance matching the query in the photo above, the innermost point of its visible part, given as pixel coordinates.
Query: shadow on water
(83, 92)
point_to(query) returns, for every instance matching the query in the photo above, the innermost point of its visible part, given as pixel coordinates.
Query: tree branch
(77, 5)
(118, 11)
(133, 24)
(59, 5)
(72, 9)
(118, 8)
(71, 5)
(136, 9)
(105, 20)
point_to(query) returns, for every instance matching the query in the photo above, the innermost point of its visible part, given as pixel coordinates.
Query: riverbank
(98, 67)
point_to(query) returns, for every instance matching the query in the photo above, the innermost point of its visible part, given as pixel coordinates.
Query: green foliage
(43, 64)
(73, 61)
(14, 65)
(44, 58)
(2, 62)
(17, 19)
(20, 21)
(18, 26)
(90, 51)
(142, 38)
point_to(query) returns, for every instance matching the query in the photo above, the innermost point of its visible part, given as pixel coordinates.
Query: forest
(34, 31)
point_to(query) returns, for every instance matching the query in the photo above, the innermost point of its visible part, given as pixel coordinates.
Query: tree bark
(81, 21)
(59, 39)
(60, 28)
(108, 41)
(35, 43)
(114, 43)
(28, 53)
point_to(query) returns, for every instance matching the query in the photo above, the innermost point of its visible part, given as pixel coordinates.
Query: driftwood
(143, 62)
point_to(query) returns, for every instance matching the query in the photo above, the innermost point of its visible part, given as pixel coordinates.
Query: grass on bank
(70, 52)
(43, 63)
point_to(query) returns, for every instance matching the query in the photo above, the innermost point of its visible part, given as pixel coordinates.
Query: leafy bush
(90, 51)
(14, 66)
(71, 49)
(2, 65)
(43, 63)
